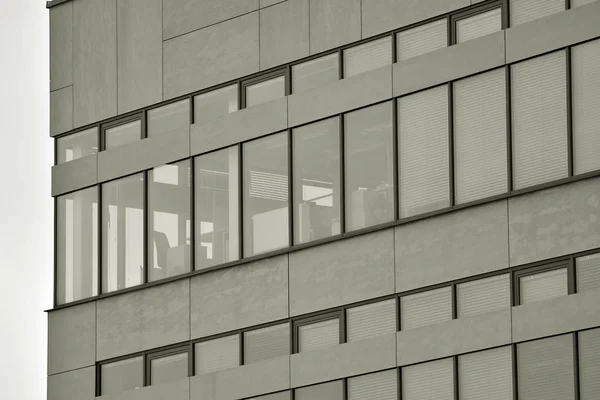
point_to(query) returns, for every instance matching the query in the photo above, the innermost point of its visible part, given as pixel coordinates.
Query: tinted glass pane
(368, 56)
(522, 11)
(266, 194)
(426, 308)
(422, 39)
(168, 368)
(217, 207)
(266, 343)
(318, 335)
(369, 166)
(217, 354)
(121, 376)
(123, 233)
(77, 245)
(122, 134)
(326, 391)
(315, 73)
(169, 119)
(588, 272)
(215, 103)
(544, 286)
(316, 180)
(263, 92)
(76, 145)
(479, 25)
(169, 220)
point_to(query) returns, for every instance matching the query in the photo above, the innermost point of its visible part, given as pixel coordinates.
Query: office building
(325, 199)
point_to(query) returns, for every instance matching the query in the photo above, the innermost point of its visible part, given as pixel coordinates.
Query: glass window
(215, 103)
(486, 375)
(168, 368)
(423, 152)
(122, 134)
(422, 39)
(318, 335)
(368, 56)
(316, 180)
(120, 376)
(478, 25)
(325, 391)
(522, 11)
(426, 308)
(545, 369)
(586, 103)
(265, 91)
(543, 286)
(371, 320)
(169, 119)
(169, 220)
(275, 396)
(217, 207)
(76, 145)
(315, 73)
(378, 386)
(589, 364)
(587, 271)
(480, 156)
(77, 245)
(369, 159)
(539, 119)
(265, 343)
(483, 295)
(429, 381)
(123, 233)
(266, 193)
(217, 354)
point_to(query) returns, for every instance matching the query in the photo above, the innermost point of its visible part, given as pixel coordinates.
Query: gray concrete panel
(284, 33)
(94, 60)
(71, 338)
(61, 110)
(175, 390)
(554, 222)
(143, 154)
(449, 63)
(183, 16)
(239, 126)
(552, 317)
(380, 16)
(240, 296)
(553, 32)
(74, 175)
(454, 337)
(139, 53)
(213, 55)
(243, 382)
(333, 23)
(143, 320)
(348, 359)
(342, 272)
(79, 384)
(452, 246)
(340, 96)
(61, 46)
(267, 3)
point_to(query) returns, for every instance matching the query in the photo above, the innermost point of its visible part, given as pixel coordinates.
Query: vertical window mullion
(342, 175)
(451, 142)
(145, 228)
(569, 93)
(192, 181)
(291, 183)
(395, 155)
(576, 364)
(509, 149)
(241, 228)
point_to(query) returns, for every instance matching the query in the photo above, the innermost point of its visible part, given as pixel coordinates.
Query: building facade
(325, 199)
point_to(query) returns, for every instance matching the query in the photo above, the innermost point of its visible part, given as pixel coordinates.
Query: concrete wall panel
(175, 390)
(74, 175)
(79, 384)
(61, 46)
(61, 110)
(267, 3)
(333, 23)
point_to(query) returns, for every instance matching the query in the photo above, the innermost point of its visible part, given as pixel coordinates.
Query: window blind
(426, 308)
(479, 25)
(586, 103)
(422, 39)
(545, 369)
(368, 56)
(483, 295)
(315, 73)
(266, 343)
(170, 368)
(544, 286)
(327, 391)
(319, 335)
(589, 364)
(120, 376)
(379, 386)
(486, 375)
(587, 272)
(217, 354)
(522, 11)
(578, 3)
(429, 381)
(371, 320)
(539, 118)
(423, 151)
(480, 155)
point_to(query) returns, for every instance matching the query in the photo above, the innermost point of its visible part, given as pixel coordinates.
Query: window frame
(475, 10)
(154, 355)
(519, 273)
(322, 317)
(137, 116)
(264, 77)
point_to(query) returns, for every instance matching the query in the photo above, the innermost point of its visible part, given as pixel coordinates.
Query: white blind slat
(588, 272)
(423, 151)
(544, 286)
(589, 364)
(379, 386)
(422, 39)
(266, 343)
(326, 391)
(483, 295)
(429, 381)
(586, 103)
(217, 354)
(539, 117)
(426, 308)
(480, 136)
(371, 320)
(120, 376)
(315, 73)
(579, 3)
(368, 56)
(486, 375)
(479, 25)
(522, 11)
(545, 369)
(319, 335)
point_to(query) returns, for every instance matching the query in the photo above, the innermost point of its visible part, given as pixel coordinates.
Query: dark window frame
(155, 355)
(138, 116)
(517, 274)
(265, 77)
(313, 319)
(475, 10)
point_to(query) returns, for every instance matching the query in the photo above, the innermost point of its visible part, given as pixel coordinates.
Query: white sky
(25, 203)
